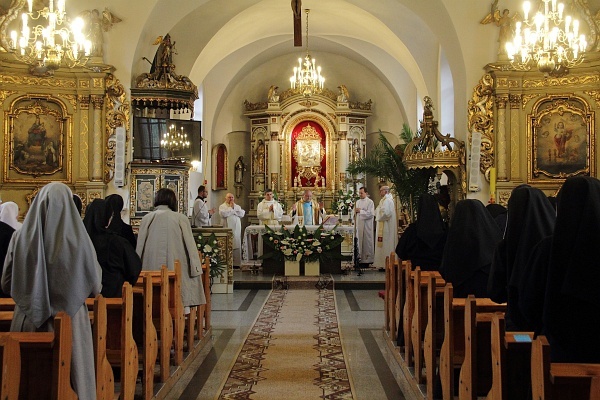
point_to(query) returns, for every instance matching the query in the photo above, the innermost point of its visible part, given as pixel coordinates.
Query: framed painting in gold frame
(37, 143)
(561, 139)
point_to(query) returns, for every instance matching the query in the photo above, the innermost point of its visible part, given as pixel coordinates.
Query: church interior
(243, 96)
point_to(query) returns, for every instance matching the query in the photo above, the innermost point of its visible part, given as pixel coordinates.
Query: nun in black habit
(423, 241)
(117, 225)
(498, 212)
(530, 219)
(571, 310)
(472, 238)
(116, 256)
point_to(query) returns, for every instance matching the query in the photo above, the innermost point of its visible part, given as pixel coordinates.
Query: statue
(259, 157)
(343, 96)
(504, 21)
(239, 170)
(96, 24)
(273, 96)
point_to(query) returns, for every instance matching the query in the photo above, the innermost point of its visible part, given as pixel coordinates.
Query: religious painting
(172, 182)
(308, 155)
(561, 133)
(219, 181)
(36, 140)
(145, 187)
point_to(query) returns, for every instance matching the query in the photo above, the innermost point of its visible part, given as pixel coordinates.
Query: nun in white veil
(50, 267)
(9, 213)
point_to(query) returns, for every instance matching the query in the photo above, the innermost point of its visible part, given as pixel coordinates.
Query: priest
(312, 211)
(365, 211)
(386, 231)
(230, 215)
(269, 211)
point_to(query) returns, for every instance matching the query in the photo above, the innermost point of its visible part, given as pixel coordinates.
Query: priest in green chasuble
(312, 211)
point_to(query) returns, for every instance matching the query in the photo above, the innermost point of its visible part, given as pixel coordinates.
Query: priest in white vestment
(310, 210)
(386, 232)
(269, 211)
(365, 211)
(230, 215)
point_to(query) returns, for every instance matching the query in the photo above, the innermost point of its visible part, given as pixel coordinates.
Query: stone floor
(372, 367)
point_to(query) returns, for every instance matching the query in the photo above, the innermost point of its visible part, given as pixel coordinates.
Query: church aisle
(360, 314)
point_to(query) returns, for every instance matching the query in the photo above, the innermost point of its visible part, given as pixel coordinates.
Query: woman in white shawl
(165, 236)
(9, 213)
(50, 267)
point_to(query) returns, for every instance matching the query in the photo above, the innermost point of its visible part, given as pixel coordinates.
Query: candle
(323, 181)
(492, 184)
(285, 184)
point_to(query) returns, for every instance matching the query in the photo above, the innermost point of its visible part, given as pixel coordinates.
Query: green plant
(386, 162)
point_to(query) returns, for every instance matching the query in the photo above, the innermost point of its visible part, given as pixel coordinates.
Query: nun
(118, 259)
(50, 267)
(472, 238)
(9, 214)
(117, 225)
(530, 218)
(498, 212)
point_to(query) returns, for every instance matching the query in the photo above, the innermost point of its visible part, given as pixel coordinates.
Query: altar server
(230, 215)
(309, 209)
(365, 211)
(201, 214)
(269, 211)
(386, 230)
(50, 267)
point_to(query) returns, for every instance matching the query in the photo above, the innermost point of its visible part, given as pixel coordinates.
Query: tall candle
(492, 183)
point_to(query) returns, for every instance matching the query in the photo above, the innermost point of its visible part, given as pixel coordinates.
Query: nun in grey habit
(50, 267)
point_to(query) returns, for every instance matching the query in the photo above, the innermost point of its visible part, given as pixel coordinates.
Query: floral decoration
(345, 202)
(209, 247)
(297, 244)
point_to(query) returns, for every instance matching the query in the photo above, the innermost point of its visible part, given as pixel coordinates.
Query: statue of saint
(239, 170)
(504, 21)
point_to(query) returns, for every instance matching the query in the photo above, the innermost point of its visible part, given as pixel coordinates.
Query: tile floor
(372, 367)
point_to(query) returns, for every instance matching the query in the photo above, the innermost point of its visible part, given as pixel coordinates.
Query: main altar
(299, 143)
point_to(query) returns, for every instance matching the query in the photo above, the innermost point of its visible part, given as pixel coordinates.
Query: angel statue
(343, 96)
(505, 22)
(273, 96)
(96, 24)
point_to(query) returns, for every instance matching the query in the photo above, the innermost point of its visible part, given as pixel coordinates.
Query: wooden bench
(452, 353)
(105, 380)
(557, 381)
(144, 333)
(434, 331)
(198, 320)
(509, 349)
(37, 365)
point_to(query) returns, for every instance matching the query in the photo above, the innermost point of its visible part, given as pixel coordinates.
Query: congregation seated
(472, 238)
(51, 267)
(165, 236)
(423, 240)
(117, 225)
(530, 219)
(498, 212)
(118, 259)
(571, 299)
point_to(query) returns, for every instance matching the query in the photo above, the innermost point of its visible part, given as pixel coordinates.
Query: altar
(252, 247)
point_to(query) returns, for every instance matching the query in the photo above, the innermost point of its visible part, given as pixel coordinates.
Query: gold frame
(546, 110)
(39, 104)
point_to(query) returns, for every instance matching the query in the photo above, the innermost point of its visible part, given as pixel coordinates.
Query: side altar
(224, 283)
(253, 248)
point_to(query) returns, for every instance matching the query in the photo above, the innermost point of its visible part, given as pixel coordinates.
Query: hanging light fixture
(307, 77)
(174, 140)
(48, 47)
(547, 41)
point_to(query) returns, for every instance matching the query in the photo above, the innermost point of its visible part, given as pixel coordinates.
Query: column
(82, 142)
(97, 144)
(342, 154)
(501, 138)
(515, 137)
(274, 160)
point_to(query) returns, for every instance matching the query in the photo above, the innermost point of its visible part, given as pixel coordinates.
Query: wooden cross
(297, 9)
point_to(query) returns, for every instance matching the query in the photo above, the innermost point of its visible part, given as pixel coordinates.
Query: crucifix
(297, 9)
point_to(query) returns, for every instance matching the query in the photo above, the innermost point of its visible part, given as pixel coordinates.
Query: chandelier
(547, 41)
(46, 48)
(307, 77)
(174, 140)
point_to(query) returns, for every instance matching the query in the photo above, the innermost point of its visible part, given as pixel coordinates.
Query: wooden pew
(434, 332)
(7, 306)
(176, 309)
(407, 313)
(557, 381)
(162, 319)
(197, 318)
(105, 380)
(418, 287)
(144, 333)
(37, 365)
(452, 353)
(508, 351)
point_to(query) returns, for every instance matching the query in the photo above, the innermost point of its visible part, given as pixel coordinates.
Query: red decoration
(295, 132)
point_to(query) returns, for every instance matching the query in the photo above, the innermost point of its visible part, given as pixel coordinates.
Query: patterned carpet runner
(293, 351)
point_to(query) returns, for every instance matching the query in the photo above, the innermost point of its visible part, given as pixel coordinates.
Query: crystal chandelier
(174, 140)
(48, 47)
(547, 41)
(307, 77)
